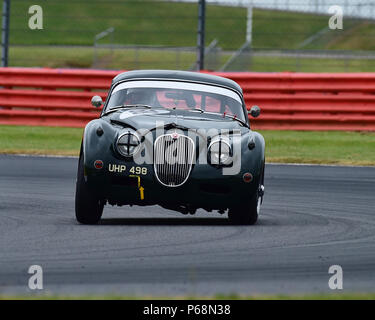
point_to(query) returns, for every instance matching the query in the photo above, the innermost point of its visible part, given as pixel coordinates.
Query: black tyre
(246, 214)
(89, 209)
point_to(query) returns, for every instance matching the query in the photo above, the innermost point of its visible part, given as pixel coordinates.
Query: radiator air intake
(173, 159)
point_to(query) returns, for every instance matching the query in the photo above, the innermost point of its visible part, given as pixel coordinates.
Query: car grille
(173, 159)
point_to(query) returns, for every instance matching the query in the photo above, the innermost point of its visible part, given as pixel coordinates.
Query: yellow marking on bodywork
(141, 189)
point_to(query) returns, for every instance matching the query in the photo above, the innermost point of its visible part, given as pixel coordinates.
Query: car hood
(150, 119)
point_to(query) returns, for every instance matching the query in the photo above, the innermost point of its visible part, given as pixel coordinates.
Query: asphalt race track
(313, 217)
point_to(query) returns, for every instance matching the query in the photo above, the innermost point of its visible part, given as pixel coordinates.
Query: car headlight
(219, 152)
(128, 143)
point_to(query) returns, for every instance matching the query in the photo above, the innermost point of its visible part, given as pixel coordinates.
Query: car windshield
(177, 95)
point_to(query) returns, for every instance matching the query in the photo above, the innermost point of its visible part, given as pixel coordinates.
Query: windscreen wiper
(224, 115)
(197, 109)
(124, 106)
(235, 118)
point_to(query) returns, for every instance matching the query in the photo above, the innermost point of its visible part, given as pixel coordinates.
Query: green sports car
(181, 140)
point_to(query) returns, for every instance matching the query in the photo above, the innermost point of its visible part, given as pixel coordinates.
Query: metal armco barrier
(289, 101)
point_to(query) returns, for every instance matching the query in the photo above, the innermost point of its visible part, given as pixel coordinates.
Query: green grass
(150, 23)
(147, 22)
(320, 147)
(344, 148)
(283, 29)
(360, 36)
(325, 296)
(80, 57)
(130, 59)
(139, 22)
(280, 64)
(40, 140)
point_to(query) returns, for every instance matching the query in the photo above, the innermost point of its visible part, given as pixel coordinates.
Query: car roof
(178, 75)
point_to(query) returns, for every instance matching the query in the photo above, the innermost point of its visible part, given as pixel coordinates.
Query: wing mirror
(96, 101)
(254, 111)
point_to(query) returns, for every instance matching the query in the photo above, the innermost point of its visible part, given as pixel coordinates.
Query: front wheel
(89, 209)
(246, 214)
